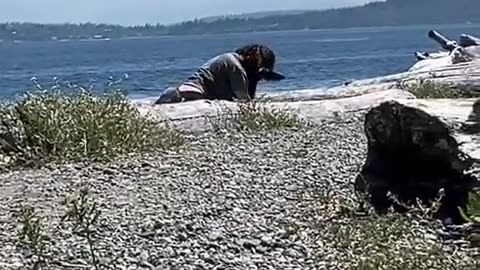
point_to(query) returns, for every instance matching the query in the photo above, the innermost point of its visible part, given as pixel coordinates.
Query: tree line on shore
(388, 13)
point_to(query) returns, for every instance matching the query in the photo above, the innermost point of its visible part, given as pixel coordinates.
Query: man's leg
(170, 96)
(190, 93)
(190, 96)
(180, 94)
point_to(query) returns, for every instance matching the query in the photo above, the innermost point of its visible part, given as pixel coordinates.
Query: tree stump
(413, 155)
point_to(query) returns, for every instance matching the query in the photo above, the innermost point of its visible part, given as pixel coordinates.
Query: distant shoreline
(380, 27)
(376, 14)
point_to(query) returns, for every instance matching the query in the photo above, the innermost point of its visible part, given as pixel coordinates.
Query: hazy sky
(146, 11)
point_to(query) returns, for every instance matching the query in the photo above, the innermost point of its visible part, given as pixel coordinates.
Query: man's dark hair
(258, 56)
(264, 56)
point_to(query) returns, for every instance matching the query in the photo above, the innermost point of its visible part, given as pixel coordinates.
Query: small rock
(131, 260)
(213, 246)
(292, 253)
(215, 236)
(261, 249)
(231, 195)
(182, 237)
(228, 174)
(144, 256)
(250, 244)
(257, 258)
(146, 164)
(80, 261)
(230, 255)
(266, 240)
(170, 252)
(206, 258)
(185, 252)
(108, 171)
(146, 264)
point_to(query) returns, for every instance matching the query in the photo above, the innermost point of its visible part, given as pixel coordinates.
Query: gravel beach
(267, 200)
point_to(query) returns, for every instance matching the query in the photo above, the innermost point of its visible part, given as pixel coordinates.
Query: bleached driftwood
(468, 40)
(197, 116)
(464, 76)
(465, 50)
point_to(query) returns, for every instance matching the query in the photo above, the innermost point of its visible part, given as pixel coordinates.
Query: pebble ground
(264, 200)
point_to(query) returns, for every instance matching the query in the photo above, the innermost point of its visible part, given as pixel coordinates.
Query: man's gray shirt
(222, 77)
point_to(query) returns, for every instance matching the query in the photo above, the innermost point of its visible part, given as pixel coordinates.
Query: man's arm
(252, 87)
(239, 85)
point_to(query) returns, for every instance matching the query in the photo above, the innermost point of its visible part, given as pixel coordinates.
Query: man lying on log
(228, 76)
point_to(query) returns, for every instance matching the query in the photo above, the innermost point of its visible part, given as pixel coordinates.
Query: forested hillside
(389, 13)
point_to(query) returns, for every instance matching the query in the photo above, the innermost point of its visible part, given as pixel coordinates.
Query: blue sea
(311, 59)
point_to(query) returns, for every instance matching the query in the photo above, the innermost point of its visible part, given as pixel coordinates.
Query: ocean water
(310, 59)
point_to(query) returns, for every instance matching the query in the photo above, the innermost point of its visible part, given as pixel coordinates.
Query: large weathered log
(426, 55)
(196, 116)
(413, 154)
(468, 40)
(465, 50)
(464, 76)
(446, 44)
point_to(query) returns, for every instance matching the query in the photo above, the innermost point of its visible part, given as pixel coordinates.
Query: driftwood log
(467, 49)
(413, 154)
(468, 40)
(446, 44)
(198, 116)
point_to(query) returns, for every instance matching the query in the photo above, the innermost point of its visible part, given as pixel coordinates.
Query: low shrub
(427, 89)
(59, 126)
(257, 115)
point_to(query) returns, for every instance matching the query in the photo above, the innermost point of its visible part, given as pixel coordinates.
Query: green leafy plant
(472, 215)
(32, 235)
(83, 214)
(472, 212)
(389, 242)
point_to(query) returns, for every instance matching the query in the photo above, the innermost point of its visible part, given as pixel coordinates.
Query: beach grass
(428, 89)
(257, 115)
(59, 126)
(391, 242)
